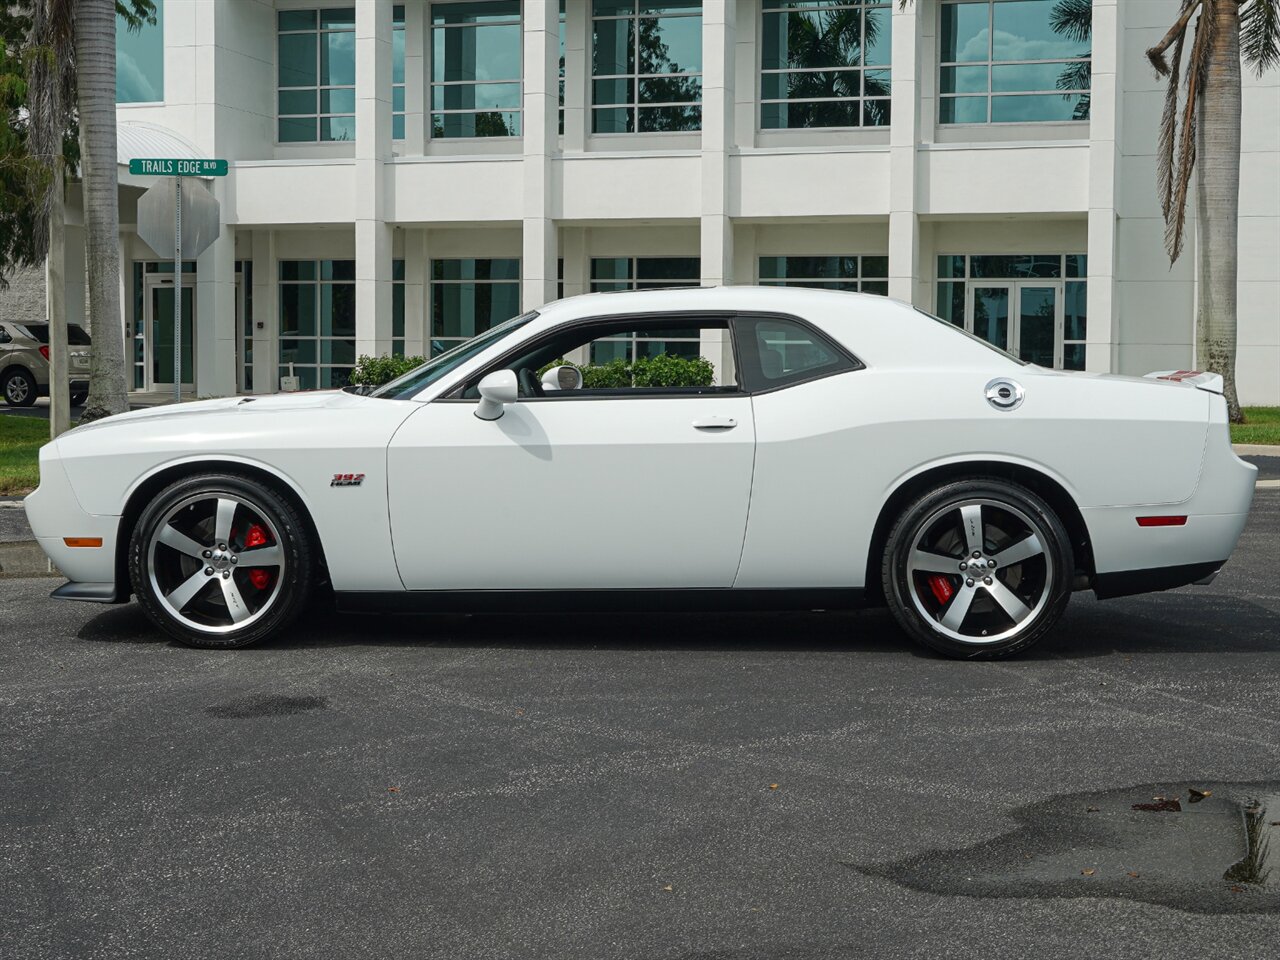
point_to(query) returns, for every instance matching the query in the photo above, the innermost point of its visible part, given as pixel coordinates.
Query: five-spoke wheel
(220, 561)
(980, 568)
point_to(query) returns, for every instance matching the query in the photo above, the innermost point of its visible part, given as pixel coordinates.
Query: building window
(1014, 61)
(244, 286)
(1032, 305)
(644, 273)
(476, 69)
(318, 321)
(646, 66)
(469, 296)
(562, 45)
(826, 65)
(863, 274)
(316, 63)
(397, 308)
(140, 60)
(397, 72)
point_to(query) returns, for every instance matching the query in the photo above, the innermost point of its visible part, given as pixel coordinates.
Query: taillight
(44, 352)
(1162, 521)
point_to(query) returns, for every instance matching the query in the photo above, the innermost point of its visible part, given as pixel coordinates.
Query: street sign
(179, 217)
(161, 167)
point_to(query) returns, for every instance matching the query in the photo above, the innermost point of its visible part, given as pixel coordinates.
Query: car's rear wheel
(77, 399)
(978, 569)
(19, 388)
(220, 561)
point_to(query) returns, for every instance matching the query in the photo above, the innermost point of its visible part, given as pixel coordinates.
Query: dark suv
(24, 363)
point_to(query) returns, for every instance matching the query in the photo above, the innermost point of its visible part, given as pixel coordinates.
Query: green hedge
(664, 370)
(375, 371)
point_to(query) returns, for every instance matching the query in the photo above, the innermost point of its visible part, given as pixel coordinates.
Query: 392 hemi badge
(347, 480)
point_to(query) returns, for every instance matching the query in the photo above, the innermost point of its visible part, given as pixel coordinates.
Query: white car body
(793, 496)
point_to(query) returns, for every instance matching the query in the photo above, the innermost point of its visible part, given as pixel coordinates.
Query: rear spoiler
(1209, 382)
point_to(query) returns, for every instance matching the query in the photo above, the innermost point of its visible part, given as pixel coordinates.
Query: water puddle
(1204, 847)
(261, 705)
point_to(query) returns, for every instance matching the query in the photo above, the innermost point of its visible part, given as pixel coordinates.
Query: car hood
(276, 404)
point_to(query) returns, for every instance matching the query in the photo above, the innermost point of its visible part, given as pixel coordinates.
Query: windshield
(39, 332)
(975, 338)
(435, 368)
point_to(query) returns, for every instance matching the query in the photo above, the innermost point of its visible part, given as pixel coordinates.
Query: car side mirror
(563, 377)
(4, 336)
(496, 391)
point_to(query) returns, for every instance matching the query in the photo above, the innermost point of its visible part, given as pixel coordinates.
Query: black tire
(19, 388)
(78, 398)
(205, 619)
(989, 608)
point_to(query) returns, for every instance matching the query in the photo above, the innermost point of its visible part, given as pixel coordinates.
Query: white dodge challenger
(849, 449)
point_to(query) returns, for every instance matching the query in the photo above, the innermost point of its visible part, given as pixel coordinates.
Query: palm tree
(1204, 137)
(72, 83)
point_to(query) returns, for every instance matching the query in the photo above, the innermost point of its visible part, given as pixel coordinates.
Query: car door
(585, 490)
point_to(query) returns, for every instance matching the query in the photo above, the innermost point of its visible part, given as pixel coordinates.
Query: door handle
(715, 423)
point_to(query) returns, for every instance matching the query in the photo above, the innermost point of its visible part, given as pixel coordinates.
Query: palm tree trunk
(55, 277)
(1218, 200)
(95, 32)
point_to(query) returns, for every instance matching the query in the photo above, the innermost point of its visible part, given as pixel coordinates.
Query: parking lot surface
(712, 787)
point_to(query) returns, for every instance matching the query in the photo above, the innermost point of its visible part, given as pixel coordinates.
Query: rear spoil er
(655, 600)
(1126, 583)
(90, 592)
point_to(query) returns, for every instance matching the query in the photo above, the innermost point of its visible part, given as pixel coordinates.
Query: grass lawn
(20, 442)
(1262, 425)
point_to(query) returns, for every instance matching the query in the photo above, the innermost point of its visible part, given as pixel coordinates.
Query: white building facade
(402, 176)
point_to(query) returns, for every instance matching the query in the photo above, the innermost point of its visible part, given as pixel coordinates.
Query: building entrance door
(1023, 317)
(158, 326)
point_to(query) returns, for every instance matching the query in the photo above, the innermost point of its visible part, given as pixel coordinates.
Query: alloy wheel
(17, 390)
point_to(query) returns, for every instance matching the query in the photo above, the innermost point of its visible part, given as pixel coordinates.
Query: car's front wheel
(220, 561)
(19, 388)
(978, 569)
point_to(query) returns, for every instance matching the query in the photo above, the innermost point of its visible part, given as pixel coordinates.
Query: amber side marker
(1162, 521)
(82, 541)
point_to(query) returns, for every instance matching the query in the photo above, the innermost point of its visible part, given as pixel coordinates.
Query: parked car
(851, 449)
(24, 362)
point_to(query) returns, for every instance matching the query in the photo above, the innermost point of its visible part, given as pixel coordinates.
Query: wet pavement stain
(1217, 855)
(261, 705)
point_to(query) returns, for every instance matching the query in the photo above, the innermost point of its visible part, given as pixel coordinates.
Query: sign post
(153, 219)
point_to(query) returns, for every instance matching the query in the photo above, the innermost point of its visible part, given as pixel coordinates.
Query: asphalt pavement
(710, 787)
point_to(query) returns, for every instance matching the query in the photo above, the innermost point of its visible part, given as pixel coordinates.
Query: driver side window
(632, 357)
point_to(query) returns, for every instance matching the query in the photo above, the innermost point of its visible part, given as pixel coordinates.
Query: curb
(24, 558)
(1256, 449)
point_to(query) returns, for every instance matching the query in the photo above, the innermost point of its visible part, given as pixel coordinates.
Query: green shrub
(375, 371)
(664, 370)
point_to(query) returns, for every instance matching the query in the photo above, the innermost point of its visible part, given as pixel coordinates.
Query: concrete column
(416, 107)
(417, 289)
(717, 140)
(905, 262)
(266, 312)
(126, 301)
(373, 149)
(541, 124)
(215, 316)
(577, 74)
(1104, 159)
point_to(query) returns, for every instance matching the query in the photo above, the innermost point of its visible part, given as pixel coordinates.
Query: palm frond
(1197, 67)
(1260, 34)
(1072, 19)
(1168, 131)
(1156, 53)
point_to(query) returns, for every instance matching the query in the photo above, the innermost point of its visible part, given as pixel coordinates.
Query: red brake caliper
(257, 537)
(940, 584)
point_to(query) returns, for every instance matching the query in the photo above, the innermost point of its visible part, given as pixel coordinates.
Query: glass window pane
(298, 101)
(963, 79)
(140, 60)
(337, 270)
(338, 351)
(875, 266)
(297, 59)
(878, 287)
(966, 33)
(296, 19)
(1024, 30)
(1076, 312)
(613, 47)
(875, 113)
(670, 45)
(951, 302)
(1073, 356)
(298, 351)
(297, 130)
(476, 96)
(338, 18)
(297, 310)
(619, 90)
(667, 119)
(668, 268)
(1032, 109)
(671, 90)
(963, 110)
(950, 267)
(611, 268)
(397, 99)
(1077, 265)
(1033, 76)
(338, 101)
(878, 38)
(295, 269)
(613, 120)
(480, 11)
(338, 59)
(338, 128)
(397, 56)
